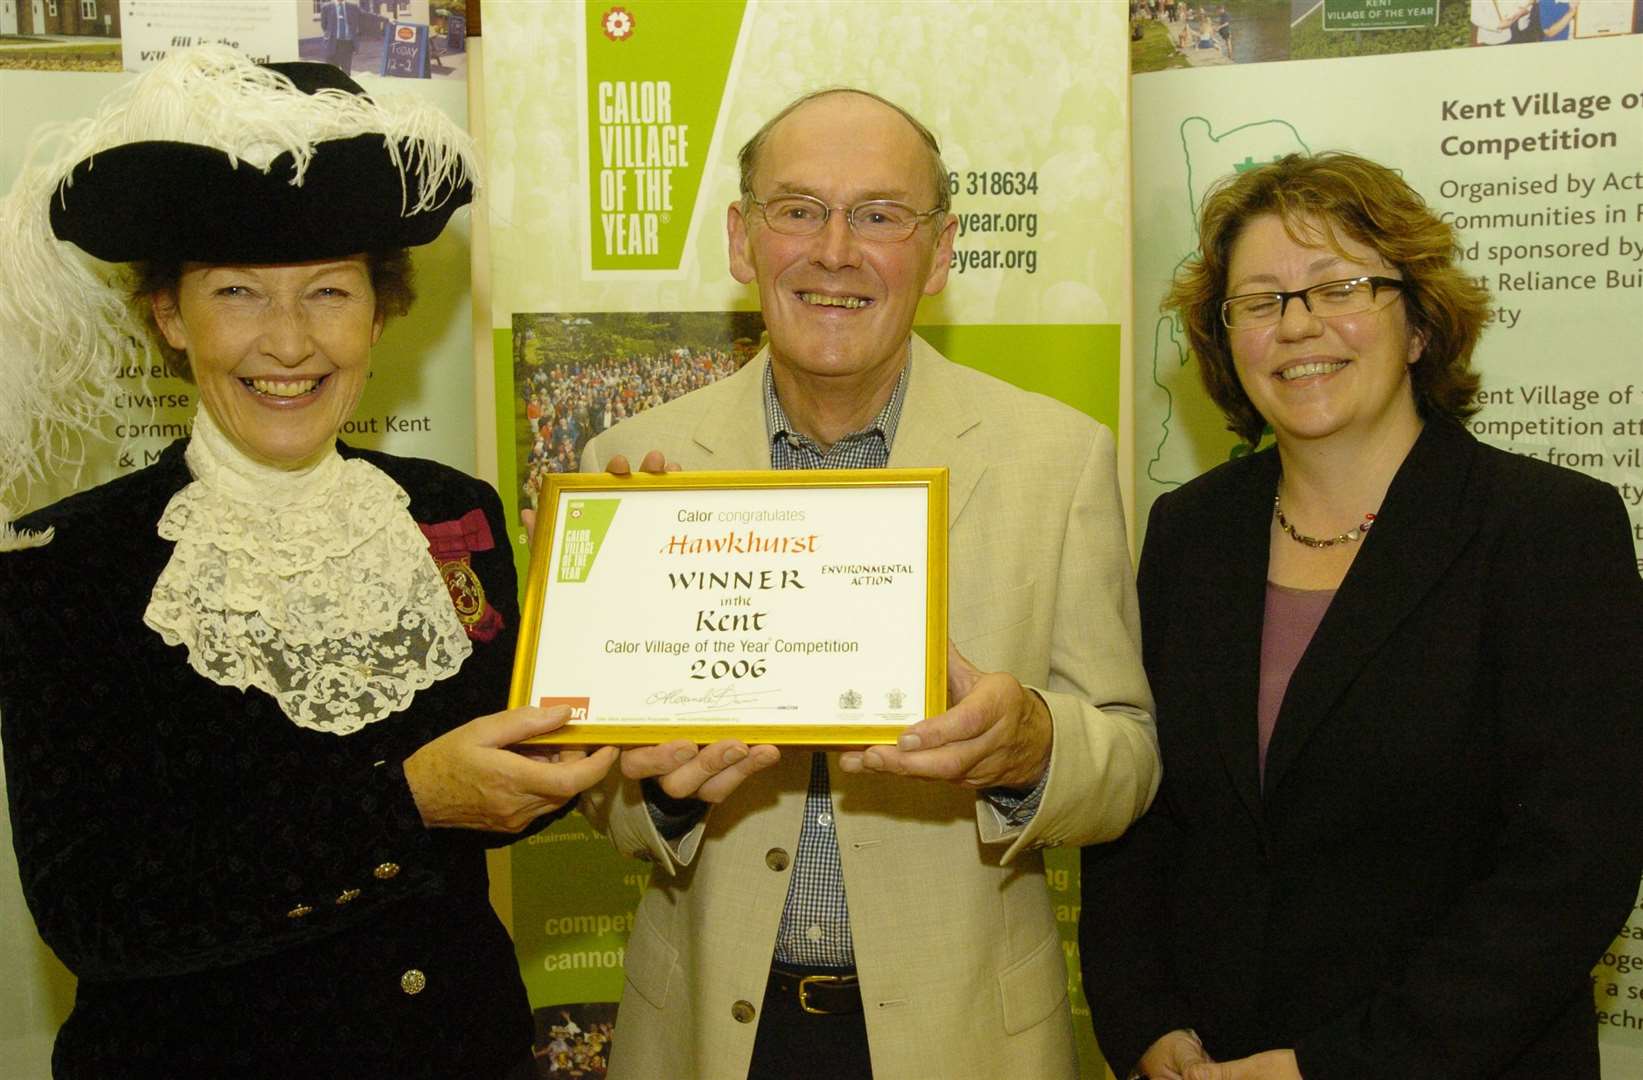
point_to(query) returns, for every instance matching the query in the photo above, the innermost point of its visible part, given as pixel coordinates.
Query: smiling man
(884, 912)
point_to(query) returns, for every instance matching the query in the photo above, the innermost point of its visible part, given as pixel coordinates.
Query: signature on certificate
(714, 699)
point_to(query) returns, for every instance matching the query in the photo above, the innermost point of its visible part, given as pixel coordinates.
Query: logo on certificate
(586, 523)
(578, 706)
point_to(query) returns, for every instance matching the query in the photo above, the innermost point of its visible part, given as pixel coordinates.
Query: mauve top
(1292, 617)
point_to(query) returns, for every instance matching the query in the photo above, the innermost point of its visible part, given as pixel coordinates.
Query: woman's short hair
(393, 281)
(1371, 204)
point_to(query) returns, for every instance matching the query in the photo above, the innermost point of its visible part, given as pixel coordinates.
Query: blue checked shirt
(815, 926)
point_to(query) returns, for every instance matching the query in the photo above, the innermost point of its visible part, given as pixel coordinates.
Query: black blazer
(1450, 830)
(237, 895)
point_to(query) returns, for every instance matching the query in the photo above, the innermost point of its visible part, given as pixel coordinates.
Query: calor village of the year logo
(617, 24)
(647, 105)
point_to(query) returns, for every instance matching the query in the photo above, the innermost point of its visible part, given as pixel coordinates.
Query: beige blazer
(962, 969)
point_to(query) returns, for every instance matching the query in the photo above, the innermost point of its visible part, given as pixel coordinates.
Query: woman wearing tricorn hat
(239, 688)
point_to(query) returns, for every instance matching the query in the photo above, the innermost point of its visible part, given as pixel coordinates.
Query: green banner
(655, 77)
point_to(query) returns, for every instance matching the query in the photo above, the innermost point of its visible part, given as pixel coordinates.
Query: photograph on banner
(1377, 27)
(403, 38)
(1533, 156)
(577, 373)
(1176, 34)
(1167, 34)
(406, 39)
(66, 35)
(134, 35)
(573, 1041)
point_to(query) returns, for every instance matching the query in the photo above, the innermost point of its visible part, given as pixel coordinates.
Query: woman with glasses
(1397, 681)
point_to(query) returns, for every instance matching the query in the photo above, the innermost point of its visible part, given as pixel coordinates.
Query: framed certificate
(803, 608)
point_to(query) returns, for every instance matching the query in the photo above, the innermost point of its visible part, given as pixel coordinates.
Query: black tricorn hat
(327, 193)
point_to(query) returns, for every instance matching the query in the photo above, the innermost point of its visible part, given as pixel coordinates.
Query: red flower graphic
(618, 24)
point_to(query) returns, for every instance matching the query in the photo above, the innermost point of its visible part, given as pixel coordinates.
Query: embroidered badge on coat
(452, 545)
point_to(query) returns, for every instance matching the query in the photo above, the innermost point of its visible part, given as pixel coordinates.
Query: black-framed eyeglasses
(1328, 300)
(880, 220)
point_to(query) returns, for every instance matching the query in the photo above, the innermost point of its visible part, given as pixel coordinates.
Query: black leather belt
(820, 991)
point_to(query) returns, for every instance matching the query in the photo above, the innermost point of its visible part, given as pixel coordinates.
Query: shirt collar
(777, 426)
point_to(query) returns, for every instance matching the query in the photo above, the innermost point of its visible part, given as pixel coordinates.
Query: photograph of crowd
(577, 374)
(573, 1041)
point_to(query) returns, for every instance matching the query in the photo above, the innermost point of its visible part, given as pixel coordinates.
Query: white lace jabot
(311, 584)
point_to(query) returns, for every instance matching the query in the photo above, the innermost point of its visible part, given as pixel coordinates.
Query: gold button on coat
(347, 896)
(743, 1012)
(776, 859)
(413, 981)
(385, 871)
(298, 912)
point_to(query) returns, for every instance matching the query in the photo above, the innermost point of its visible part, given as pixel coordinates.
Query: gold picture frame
(815, 620)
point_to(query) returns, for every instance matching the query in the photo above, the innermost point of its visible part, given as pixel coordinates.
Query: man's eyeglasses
(879, 220)
(1352, 296)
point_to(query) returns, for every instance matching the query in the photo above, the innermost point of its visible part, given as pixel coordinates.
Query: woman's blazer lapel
(1227, 537)
(1424, 524)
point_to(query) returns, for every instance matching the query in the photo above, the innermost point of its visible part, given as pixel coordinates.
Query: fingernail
(734, 754)
(683, 755)
(873, 759)
(909, 742)
(850, 762)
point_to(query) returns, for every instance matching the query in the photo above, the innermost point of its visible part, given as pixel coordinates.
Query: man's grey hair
(748, 157)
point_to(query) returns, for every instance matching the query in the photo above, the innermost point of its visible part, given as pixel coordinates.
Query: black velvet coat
(239, 896)
(1450, 831)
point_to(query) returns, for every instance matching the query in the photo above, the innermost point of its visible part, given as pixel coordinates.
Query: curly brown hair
(1371, 204)
(393, 281)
